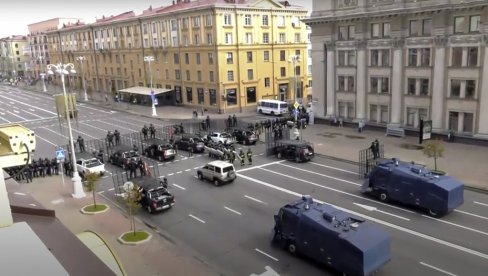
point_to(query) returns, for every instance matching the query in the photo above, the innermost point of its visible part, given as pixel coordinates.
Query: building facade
(14, 56)
(214, 54)
(399, 61)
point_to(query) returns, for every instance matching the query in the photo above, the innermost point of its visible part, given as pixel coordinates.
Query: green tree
(132, 200)
(434, 149)
(91, 183)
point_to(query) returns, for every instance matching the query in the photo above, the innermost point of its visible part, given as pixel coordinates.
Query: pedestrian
(376, 149)
(373, 149)
(117, 137)
(232, 157)
(249, 156)
(145, 131)
(340, 122)
(134, 147)
(164, 182)
(110, 139)
(142, 168)
(242, 157)
(152, 130)
(133, 168)
(208, 122)
(100, 155)
(81, 143)
(202, 110)
(190, 151)
(229, 122)
(234, 120)
(176, 148)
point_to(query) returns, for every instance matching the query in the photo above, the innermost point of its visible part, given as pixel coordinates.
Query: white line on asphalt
(86, 134)
(106, 112)
(170, 174)
(187, 170)
(101, 192)
(16, 111)
(180, 187)
(334, 168)
(266, 254)
(125, 122)
(31, 109)
(5, 119)
(255, 199)
(196, 168)
(17, 193)
(57, 133)
(458, 225)
(101, 129)
(179, 172)
(324, 175)
(111, 189)
(49, 142)
(40, 117)
(339, 191)
(18, 116)
(391, 225)
(196, 218)
(470, 214)
(118, 126)
(374, 209)
(479, 203)
(438, 269)
(233, 211)
(35, 107)
(260, 166)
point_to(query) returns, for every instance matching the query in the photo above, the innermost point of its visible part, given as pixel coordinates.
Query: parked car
(220, 137)
(122, 158)
(91, 165)
(298, 151)
(245, 137)
(161, 152)
(155, 197)
(185, 141)
(218, 172)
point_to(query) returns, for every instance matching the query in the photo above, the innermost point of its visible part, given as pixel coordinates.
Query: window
(266, 56)
(177, 74)
(267, 82)
(201, 96)
(472, 56)
(249, 56)
(266, 38)
(209, 39)
(385, 57)
(297, 38)
(174, 25)
(474, 23)
(176, 58)
(384, 114)
(282, 55)
(251, 95)
(341, 83)
(375, 30)
(189, 94)
(412, 57)
(468, 122)
(185, 23)
(427, 27)
(248, 38)
(247, 20)
(230, 75)
(350, 84)
(425, 57)
(188, 78)
(265, 20)
(144, 28)
(196, 39)
(424, 87)
(195, 21)
(228, 38)
(187, 58)
(386, 29)
(385, 87)
(283, 72)
(413, 29)
(341, 61)
(373, 113)
(210, 58)
(455, 88)
(282, 37)
(375, 58)
(374, 85)
(227, 19)
(457, 56)
(211, 76)
(281, 21)
(470, 89)
(213, 96)
(411, 86)
(208, 20)
(198, 58)
(459, 24)
(230, 58)
(346, 32)
(231, 96)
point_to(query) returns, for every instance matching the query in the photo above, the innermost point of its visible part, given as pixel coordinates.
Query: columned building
(399, 61)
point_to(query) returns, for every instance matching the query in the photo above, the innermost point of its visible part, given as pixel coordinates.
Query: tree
(434, 149)
(132, 200)
(91, 183)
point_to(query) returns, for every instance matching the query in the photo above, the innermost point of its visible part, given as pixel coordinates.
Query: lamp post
(62, 69)
(295, 59)
(81, 59)
(149, 59)
(43, 77)
(40, 58)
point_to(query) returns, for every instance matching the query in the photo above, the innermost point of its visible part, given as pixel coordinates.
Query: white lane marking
(470, 214)
(40, 117)
(233, 211)
(196, 218)
(260, 166)
(196, 168)
(17, 193)
(125, 122)
(5, 119)
(254, 199)
(64, 136)
(479, 203)
(101, 129)
(266, 254)
(334, 168)
(35, 107)
(179, 187)
(86, 134)
(32, 204)
(187, 170)
(18, 116)
(16, 111)
(385, 223)
(438, 269)
(179, 172)
(339, 191)
(99, 110)
(101, 192)
(49, 142)
(111, 189)
(374, 209)
(324, 175)
(57, 201)
(457, 225)
(170, 174)
(31, 109)
(116, 126)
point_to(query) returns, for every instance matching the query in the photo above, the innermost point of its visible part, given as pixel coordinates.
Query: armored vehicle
(413, 184)
(298, 151)
(325, 234)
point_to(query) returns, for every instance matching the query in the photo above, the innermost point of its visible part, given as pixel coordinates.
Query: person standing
(208, 122)
(142, 169)
(373, 149)
(229, 122)
(81, 143)
(190, 151)
(376, 149)
(144, 132)
(117, 137)
(152, 130)
(249, 156)
(242, 156)
(232, 156)
(110, 139)
(234, 120)
(341, 123)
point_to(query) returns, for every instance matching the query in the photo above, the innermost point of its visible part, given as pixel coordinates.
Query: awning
(142, 90)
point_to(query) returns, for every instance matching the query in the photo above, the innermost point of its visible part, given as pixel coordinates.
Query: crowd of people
(37, 168)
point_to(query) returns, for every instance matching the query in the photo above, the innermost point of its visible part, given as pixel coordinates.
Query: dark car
(245, 137)
(155, 197)
(122, 158)
(186, 141)
(298, 151)
(161, 152)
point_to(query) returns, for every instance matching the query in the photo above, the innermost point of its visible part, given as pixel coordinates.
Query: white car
(221, 137)
(92, 165)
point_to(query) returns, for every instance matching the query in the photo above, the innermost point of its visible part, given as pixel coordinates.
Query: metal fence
(367, 161)
(271, 138)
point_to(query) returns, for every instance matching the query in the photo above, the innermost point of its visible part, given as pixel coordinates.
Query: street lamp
(62, 69)
(43, 76)
(149, 59)
(81, 59)
(295, 59)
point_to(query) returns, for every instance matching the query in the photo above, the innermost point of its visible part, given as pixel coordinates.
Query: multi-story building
(37, 39)
(14, 56)
(214, 54)
(397, 61)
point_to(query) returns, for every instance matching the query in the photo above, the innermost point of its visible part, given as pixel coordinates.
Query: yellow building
(14, 56)
(215, 54)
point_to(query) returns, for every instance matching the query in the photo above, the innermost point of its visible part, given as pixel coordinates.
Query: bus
(273, 107)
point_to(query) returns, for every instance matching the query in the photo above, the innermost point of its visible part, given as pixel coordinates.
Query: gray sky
(16, 15)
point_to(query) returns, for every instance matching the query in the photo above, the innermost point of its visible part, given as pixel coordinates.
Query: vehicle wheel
(216, 182)
(279, 155)
(200, 176)
(433, 213)
(149, 210)
(384, 197)
(260, 111)
(297, 159)
(292, 248)
(272, 113)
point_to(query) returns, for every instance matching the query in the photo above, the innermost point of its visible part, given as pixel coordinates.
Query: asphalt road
(230, 225)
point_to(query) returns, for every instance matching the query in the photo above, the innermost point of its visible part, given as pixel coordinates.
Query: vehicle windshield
(283, 105)
(92, 163)
(131, 154)
(158, 193)
(226, 135)
(228, 169)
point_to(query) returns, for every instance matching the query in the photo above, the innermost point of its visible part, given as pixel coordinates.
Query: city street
(231, 225)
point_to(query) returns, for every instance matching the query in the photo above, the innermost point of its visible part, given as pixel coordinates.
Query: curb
(134, 243)
(95, 212)
(116, 257)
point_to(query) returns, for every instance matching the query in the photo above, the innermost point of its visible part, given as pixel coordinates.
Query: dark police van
(415, 185)
(333, 237)
(298, 151)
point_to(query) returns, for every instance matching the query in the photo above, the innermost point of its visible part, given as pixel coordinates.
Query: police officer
(144, 132)
(164, 182)
(40, 167)
(232, 156)
(249, 156)
(242, 156)
(142, 168)
(134, 147)
(152, 130)
(28, 173)
(117, 137)
(133, 167)
(81, 143)
(100, 155)
(110, 139)
(190, 151)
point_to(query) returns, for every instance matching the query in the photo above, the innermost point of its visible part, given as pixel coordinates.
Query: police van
(272, 107)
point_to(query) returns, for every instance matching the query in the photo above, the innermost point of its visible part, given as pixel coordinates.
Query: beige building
(219, 54)
(397, 61)
(14, 56)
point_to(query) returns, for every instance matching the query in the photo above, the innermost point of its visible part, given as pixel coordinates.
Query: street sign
(60, 154)
(296, 105)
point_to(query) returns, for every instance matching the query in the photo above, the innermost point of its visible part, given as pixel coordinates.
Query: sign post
(425, 130)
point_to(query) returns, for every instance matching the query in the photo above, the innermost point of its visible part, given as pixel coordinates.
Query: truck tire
(216, 182)
(200, 176)
(433, 213)
(292, 248)
(384, 196)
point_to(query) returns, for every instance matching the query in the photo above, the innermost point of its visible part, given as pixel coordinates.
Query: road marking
(64, 136)
(106, 112)
(179, 187)
(385, 223)
(32, 204)
(125, 122)
(438, 269)
(18, 116)
(187, 170)
(179, 172)
(196, 218)
(49, 142)
(57, 201)
(17, 193)
(470, 214)
(31, 109)
(458, 225)
(334, 168)
(260, 166)
(101, 129)
(324, 175)
(35, 107)
(111, 189)
(5, 119)
(266, 254)
(86, 134)
(101, 192)
(374, 209)
(255, 199)
(233, 211)
(479, 203)
(40, 117)
(170, 174)
(119, 126)
(196, 168)
(339, 191)
(16, 111)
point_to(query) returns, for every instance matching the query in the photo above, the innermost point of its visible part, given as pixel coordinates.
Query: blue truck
(412, 184)
(346, 243)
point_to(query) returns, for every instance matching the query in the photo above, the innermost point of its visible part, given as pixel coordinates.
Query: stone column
(483, 95)
(330, 79)
(397, 82)
(438, 88)
(319, 91)
(361, 80)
